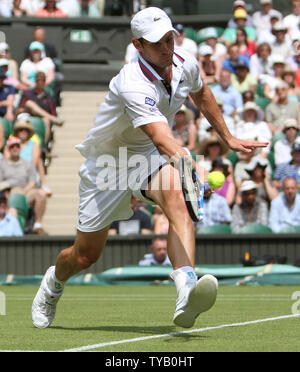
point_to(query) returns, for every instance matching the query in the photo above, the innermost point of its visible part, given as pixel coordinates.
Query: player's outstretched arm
(207, 104)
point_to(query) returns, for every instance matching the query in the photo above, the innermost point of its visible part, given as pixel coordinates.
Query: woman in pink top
(50, 10)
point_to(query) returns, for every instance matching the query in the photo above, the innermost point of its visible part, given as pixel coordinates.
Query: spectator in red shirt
(50, 10)
(38, 102)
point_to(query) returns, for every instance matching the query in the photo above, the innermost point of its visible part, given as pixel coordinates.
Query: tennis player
(132, 127)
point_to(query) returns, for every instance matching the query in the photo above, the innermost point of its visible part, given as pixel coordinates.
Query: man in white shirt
(292, 20)
(261, 18)
(185, 43)
(283, 147)
(132, 131)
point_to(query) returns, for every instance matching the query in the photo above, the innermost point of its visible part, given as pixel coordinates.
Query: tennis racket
(192, 188)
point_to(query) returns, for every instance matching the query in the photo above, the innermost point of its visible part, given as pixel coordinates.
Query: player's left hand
(245, 146)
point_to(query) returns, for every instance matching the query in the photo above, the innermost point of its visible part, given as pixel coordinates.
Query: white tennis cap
(151, 24)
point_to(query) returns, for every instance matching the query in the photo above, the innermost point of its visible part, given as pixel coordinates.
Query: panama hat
(24, 125)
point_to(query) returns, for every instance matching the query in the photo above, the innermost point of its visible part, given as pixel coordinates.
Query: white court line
(138, 339)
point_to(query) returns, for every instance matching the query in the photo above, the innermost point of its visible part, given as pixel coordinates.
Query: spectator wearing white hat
(261, 18)
(289, 169)
(184, 129)
(209, 69)
(13, 69)
(282, 44)
(283, 147)
(211, 39)
(251, 210)
(251, 126)
(271, 81)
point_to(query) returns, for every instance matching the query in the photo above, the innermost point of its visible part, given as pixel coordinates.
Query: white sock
(37, 225)
(54, 284)
(182, 276)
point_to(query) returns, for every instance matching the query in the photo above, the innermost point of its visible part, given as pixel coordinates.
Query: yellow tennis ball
(216, 180)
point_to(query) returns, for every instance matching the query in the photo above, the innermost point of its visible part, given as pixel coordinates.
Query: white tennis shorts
(99, 207)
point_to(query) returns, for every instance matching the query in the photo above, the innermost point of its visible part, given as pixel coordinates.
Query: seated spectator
(209, 69)
(211, 39)
(240, 173)
(261, 18)
(160, 221)
(185, 43)
(290, 169)
(67, 6)
(184, 129)
(85, 8)
(205, 130)
(159, 255)
(50, 10)
(240, 4)
(285, 209)
(228, 190)
(282, 44)
(5, 9)
(30, 150)
(261, 62)
(9, 225)
(37, 102)
(234, 57)
(289, 76)
(251, 127)
(17, 11)
(21, 177)
(7, 97)
(10, 80)
(268, 36)
(249, 96)
(231, 97)
(13, 69)
(216, 209)
(242, 80)
(277, 112)
(291, 21)
(240, 18)
(294, 61)
(32, 6)
(266, 191)
(246, 47)
(283, 147)
(35, 63)
(212, 148)
(251, 210)
(139, 223)
(270, 82)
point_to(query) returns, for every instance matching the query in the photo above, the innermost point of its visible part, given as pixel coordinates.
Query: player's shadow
(153, 330)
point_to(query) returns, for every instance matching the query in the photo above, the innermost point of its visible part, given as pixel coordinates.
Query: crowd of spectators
(29, 97)
(253, 69)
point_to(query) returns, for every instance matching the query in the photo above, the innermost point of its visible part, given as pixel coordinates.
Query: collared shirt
(281, 215)
(285, 170)
(232, 98)
(17, 173)
(282, 151)
(44, 100)
(216, 210)
(10, 226)
(149, 260)
(137, 96)
(241, 216)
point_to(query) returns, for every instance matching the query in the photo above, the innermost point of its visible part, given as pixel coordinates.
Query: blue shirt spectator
(285, 209)
(231, 97)
(9, 225)
(289, 169)
(216, 210)
(159, 254)
(229, 64)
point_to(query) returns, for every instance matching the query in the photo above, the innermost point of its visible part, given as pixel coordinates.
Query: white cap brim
(159, 32)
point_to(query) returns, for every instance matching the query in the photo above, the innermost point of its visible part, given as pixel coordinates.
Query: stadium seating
(7, 128)
(255, 229)
(215, 229)
(40, 128)
(20, 202)
(290, 230)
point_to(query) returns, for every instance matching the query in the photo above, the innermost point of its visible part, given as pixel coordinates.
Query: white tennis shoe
(44, 303)
(194, 299)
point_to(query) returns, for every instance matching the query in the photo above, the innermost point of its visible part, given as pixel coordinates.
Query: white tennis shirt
(137, 96)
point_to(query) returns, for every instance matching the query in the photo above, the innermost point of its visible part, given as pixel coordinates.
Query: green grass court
(139, 319)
